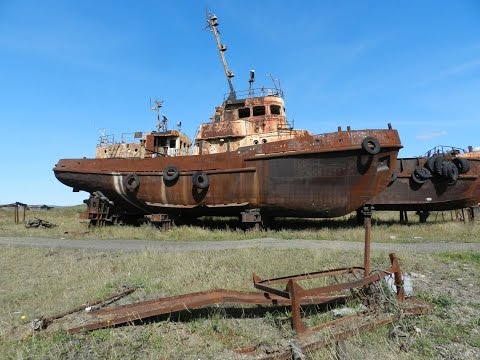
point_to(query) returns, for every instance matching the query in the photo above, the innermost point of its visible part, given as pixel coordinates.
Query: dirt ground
(271, 243)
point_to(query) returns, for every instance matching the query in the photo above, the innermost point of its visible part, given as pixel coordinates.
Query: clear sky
(69, 69)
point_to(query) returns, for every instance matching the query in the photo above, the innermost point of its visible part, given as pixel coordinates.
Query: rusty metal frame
(335, 331)
(132, 312)
(296, 293)
(293, 295)
(16, 213)
(43, 322)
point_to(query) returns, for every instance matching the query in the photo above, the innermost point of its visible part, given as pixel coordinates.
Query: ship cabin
(243, 122)
(167, 143)
(144, 145)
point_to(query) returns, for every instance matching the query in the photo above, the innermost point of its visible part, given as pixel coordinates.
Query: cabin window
(172, 143)
(258, 110)
(243, 113)
(275, 109)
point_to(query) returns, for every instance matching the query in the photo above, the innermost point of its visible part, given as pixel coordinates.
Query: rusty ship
(445, 178)
(247, 161)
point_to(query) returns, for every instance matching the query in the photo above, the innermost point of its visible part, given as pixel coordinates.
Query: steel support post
(397, 277)
(367, 214)
(294, 289)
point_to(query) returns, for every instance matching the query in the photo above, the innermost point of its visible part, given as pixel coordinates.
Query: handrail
(444, 149)
(125, 138)
(256, 92)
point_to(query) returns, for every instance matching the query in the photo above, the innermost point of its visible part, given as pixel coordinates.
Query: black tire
(200, 180)
(450, 172)
(438, 165)
(371, 145)
(171, 173)
(131, 182)
(422, 173)
(417, 179)
(462, 164)
(431, 161)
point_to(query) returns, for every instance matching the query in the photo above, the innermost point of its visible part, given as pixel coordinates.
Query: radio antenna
(161, 124)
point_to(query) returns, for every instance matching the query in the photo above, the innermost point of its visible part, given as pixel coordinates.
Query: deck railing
(256, 92)
(125, 138)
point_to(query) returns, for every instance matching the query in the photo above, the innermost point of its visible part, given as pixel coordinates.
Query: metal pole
(398, 277)
(367, 213)
(293, 288)
(212, 24)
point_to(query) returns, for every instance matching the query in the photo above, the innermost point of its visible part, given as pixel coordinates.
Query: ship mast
(212, 21)
(161, 124)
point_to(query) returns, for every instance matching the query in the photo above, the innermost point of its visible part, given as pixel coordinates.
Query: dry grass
(38, 282)
(42, 282)
(386, 228)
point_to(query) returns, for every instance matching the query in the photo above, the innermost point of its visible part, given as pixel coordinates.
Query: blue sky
(71, 68)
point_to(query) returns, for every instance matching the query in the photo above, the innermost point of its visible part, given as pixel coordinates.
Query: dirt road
(177, 246)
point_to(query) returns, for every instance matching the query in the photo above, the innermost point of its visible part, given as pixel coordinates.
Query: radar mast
(161, 124)
(212, 21)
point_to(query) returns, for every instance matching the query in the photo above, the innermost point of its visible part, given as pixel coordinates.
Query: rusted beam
(295, 296)
(328, 334)
(142, 310)
(311, 275)
(43, 323)
(398, 277)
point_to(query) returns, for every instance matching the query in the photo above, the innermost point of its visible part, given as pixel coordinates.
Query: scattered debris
(397, 332)
(76, 233)
(407, 284)
(347, 311)
(39, 223)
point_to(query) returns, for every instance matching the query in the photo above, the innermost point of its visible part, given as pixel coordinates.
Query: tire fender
(171, 173)
(371, 145)
(462, 164)
(131, 182)
(450, 172)
(200, 180)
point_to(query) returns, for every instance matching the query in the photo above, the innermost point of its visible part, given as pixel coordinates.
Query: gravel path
(177, 246)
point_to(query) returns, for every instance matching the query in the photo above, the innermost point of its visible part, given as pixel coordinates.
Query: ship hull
(325, 175)
(436, 194)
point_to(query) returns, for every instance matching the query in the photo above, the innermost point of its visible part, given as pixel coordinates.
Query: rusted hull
(436, 194)
(325, 175)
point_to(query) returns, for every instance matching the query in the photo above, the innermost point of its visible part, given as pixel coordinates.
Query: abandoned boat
(446, 178)
(247, 160)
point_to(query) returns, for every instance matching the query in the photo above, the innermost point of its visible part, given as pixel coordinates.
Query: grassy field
(37, 282)
(386, 228)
